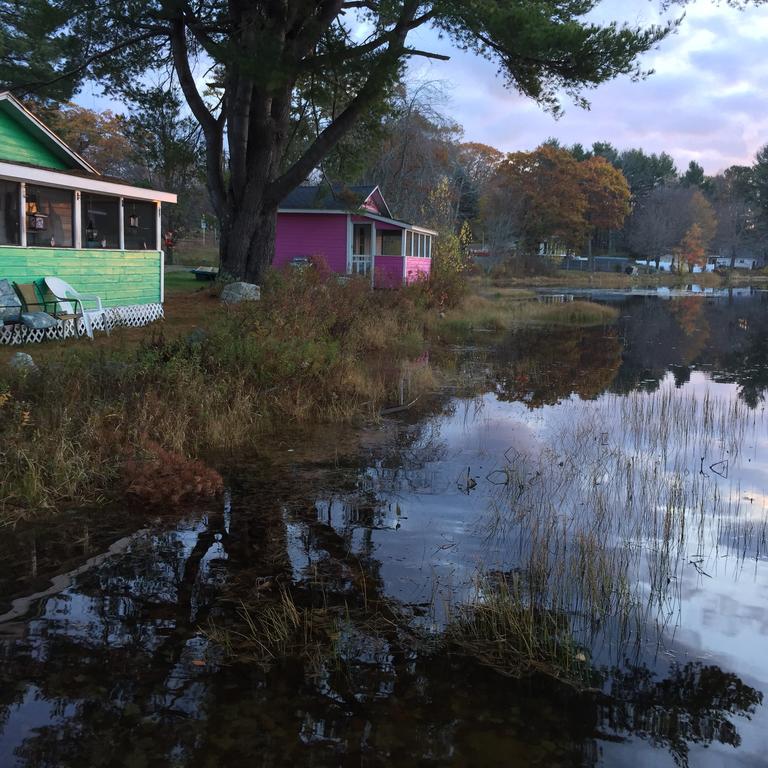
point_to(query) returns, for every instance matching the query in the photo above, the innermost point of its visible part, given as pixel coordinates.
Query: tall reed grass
(625, 497)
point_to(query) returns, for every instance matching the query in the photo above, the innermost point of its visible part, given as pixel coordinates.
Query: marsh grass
(501, 630)
(607, 519)
(504, 310)
(301, 355)
(589, 541)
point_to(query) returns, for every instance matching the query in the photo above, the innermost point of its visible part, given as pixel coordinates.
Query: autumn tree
(100, 137)
(415, 153)
(254, 57)
(607, 194)
(548, 195)
(476, 165)
(661, 220)
(691, 250)
(539, 196)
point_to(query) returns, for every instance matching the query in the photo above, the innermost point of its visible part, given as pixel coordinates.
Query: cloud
(707, 99)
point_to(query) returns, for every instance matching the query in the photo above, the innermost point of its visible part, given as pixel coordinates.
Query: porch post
(349, 243)
(373, 255)
(161, 265)
(158, 228)
(78, 221)
(23, 214)
(405, 253)
(121, 225)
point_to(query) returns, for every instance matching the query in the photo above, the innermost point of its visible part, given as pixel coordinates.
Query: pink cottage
(353, 229)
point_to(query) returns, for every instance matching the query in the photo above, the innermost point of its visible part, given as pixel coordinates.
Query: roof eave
(48, 177)
(364, 213)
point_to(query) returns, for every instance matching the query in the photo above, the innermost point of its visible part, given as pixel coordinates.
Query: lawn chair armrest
(82, 297)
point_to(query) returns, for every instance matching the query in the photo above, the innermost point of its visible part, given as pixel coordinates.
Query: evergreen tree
(257, 55)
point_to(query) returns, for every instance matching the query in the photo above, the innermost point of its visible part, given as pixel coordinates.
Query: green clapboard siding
(119, 277)
(18, 145)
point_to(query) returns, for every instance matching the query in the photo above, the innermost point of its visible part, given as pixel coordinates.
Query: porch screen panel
(9, 213)
(101, 221)
(409, 243)
(49, 217)
(139, 225)
(391, 242)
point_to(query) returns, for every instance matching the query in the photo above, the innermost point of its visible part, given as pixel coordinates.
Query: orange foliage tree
(691, 250)
(548, 194)
(607, 193)
(548, 197)
(100, 137)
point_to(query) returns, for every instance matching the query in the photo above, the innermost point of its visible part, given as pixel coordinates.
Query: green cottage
(59, 217)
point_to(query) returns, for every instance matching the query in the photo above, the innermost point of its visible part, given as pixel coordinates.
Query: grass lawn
(183, 282)
(196, 255)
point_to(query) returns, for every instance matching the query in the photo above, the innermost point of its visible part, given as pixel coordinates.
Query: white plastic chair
(65, 295)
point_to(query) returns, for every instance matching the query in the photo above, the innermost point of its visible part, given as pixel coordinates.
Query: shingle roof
(328, 198)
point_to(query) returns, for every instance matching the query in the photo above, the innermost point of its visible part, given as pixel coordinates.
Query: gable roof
(13, 108)
(336, 197)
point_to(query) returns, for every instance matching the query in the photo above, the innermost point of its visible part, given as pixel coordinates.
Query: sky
(706, 101)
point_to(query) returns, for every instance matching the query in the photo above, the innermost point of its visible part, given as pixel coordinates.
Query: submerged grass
(625, 495)
(502, 630)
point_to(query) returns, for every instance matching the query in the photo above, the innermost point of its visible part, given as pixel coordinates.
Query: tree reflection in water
(110, 673)
(117, 670)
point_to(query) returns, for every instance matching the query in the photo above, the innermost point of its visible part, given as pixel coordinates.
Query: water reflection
(115, 665)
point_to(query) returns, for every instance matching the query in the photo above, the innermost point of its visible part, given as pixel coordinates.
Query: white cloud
(707, 100)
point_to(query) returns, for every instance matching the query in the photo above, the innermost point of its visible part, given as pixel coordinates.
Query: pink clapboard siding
(388, 271)
(312, 234)
(417, 268)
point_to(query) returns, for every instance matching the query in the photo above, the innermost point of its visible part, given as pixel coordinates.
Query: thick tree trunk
(247, 243)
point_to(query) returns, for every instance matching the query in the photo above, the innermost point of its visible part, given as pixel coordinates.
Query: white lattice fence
(114, 317)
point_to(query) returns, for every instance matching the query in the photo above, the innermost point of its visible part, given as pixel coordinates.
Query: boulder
(234, 293)
(22, 362)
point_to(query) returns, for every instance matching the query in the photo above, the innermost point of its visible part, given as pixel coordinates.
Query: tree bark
(247, 242)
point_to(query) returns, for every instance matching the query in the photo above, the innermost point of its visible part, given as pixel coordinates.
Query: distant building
(353, 229)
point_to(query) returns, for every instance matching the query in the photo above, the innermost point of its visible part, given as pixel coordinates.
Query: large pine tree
(241, 64)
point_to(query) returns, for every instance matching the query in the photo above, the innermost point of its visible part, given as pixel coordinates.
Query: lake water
(619, 473)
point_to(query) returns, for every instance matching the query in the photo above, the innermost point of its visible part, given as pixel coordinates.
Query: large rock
(22, 362)
(234, 293)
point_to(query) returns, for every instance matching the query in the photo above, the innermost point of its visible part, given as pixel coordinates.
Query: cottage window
(48, 217)
(139, 225)
(100, 221)
(408, 243)
(9, 213)
(390, 242)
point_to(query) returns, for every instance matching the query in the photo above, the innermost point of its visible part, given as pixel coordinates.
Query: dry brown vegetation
(73, 428)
